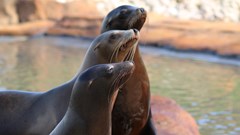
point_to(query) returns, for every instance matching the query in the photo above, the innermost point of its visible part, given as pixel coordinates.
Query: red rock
(171, 119)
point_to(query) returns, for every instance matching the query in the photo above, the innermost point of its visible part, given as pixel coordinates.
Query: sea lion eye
(113, 36)
(123, 11)
(109, 23)
(110, 70)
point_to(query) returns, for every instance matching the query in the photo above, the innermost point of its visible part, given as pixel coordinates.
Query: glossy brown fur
(131, 113)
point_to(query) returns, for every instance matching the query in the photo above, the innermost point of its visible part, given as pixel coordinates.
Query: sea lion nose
(129, 65)
(130, 62)
(135, 31)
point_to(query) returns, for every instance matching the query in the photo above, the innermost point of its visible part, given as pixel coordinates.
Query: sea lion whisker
(117, 51)
(113, 54)
(129, 55)
(134, 50)
(114, 84)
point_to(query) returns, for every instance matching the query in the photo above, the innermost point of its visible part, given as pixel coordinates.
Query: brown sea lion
(38, 113)
(131, 113)
(92, 99)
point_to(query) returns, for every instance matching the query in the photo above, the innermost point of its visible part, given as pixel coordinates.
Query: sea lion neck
(92, 115)
(92, 59)
(137, 55)
(93, 121)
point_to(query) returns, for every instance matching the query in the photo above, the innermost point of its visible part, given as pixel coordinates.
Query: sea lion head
(101, 83)
(123, 18)
(116, 45)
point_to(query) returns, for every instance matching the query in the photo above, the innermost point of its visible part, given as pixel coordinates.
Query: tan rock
(77, 27)
(8, 14)
(82, 8)
(30, 10)
(53, 9)
(220, 37)
(29, 28)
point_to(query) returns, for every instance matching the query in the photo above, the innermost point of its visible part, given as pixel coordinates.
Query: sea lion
(131, 113)
(92, 99)
(38, 113)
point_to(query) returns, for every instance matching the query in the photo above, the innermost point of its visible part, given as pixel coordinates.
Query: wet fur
(46, 109)
(131, 113)
(89, 111)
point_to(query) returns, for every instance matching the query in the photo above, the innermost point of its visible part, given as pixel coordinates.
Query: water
(210, 92)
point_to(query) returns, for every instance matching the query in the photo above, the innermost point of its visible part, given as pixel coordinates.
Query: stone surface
(171, 119)
(29, 10)
(29, 28)
(53, 10)
(212, 10)
(83, 18)
(8, 14)
(216, 37)
(76, 26)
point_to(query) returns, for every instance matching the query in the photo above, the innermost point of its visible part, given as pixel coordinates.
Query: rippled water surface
(210, 92)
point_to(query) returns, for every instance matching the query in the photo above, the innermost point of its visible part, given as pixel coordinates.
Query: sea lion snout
(127, 67)
(124, 68)
(124, 71)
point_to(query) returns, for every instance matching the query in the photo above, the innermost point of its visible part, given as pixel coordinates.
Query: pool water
(210, 92)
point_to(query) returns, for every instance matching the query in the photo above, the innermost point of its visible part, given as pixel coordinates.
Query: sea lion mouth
(124, 78)
(120, 80)
(129, 44)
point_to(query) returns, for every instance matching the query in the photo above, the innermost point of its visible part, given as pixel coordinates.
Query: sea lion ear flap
(109, 21)
(96, 46)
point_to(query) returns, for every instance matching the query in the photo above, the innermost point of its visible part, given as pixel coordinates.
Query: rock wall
(212, 10)
(29, 10)
(84, 17)
(14, 11)
(8, 14)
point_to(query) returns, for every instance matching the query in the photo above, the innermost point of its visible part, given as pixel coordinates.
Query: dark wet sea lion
(124, 18)
(38, 113)
(131, 113)
(92, 99)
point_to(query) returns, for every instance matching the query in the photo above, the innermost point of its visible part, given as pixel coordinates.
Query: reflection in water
(35, 65)
(210, 92)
